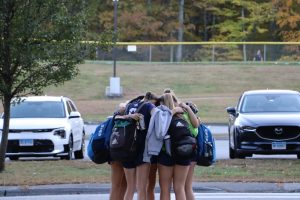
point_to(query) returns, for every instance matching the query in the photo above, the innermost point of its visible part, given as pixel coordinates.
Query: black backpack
(183, 144)
(123, 137)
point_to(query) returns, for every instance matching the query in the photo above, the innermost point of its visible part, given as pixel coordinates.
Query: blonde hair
(167, 100)
(169, 91)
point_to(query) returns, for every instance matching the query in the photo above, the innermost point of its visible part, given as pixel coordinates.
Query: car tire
(13, 157)
(80, 153)
(232, 153)
(69, 150)
(240, 156)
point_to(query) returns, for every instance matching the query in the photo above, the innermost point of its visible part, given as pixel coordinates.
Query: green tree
(39, 46)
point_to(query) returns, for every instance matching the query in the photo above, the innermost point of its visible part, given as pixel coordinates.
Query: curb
(211, 187)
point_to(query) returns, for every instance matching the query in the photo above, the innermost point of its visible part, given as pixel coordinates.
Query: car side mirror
(231, 111)
(74, 114)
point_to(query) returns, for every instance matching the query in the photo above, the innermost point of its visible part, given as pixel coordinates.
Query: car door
(76, 124)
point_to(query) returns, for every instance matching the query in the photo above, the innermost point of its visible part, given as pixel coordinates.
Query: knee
(178, 188)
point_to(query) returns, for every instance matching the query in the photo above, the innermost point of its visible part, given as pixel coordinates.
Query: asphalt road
(222, 150)
(215, 129)
(202, 196)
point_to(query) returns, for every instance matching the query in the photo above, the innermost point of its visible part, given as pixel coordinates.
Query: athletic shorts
(166, 160)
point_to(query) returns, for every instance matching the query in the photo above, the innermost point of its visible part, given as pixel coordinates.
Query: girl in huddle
(180, 170)
(137, 171)
(118, 181)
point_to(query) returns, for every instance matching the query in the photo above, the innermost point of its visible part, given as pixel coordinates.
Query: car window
(72, 106)
(69, 107)
(37, 109)
(271, 103)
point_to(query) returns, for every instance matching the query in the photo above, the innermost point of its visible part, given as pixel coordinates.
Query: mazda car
(42, 126)
(265, 122)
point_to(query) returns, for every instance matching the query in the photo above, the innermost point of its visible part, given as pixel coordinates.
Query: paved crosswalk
(199, 196)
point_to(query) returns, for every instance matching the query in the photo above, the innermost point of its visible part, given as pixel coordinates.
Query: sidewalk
(205, 187)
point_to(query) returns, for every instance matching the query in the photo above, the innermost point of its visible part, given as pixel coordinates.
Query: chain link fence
(203, 52)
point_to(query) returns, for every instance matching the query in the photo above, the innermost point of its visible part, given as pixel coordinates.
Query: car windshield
(271, 103)
(37, 109)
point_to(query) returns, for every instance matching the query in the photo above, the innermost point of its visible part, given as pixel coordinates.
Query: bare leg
(165, 181)
(118, 181)
(180, 175)
(130, 179)
(189, 183)
(142, 174)
(151, 182)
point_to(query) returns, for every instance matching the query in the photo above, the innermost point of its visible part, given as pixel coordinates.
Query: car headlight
(246, 128)
(60, 132)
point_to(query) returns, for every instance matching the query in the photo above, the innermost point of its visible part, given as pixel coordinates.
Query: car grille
(278, 132)
(30, 130)
(39, 146)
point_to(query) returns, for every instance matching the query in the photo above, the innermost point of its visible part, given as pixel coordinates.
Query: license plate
(26, 142)
(278, 145)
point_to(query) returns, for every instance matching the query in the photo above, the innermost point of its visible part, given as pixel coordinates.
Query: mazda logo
(278, 130)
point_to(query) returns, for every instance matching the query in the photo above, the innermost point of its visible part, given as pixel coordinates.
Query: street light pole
(114, 89)
(115, 32)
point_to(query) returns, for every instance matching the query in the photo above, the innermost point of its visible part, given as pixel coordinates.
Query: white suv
(45, 126)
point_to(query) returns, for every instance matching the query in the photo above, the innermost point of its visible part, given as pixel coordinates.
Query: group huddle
(155, 133)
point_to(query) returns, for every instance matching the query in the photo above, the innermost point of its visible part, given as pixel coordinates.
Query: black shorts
(135, 163)
(166, 160)
(141, 137)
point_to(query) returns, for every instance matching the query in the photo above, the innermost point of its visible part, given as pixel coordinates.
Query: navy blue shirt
(144, 110)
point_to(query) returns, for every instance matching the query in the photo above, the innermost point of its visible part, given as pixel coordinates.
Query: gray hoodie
(158, 127)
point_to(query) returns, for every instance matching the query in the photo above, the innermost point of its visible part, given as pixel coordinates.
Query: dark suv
(265, 122)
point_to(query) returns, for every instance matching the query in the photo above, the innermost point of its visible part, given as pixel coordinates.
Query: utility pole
(115, 32)
(114, 89)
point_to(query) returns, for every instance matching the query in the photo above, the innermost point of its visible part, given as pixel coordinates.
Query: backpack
(206, 151)
(183, 144)
(98, 146)
(123, 137)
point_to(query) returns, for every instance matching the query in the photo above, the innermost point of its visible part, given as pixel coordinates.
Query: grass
(24, 173)
(211, 87)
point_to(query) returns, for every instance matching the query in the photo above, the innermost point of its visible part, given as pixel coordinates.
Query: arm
(134, 116)
(193, 118)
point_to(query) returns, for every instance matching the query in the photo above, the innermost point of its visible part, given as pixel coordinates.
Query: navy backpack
(98, 147)
(206, 148)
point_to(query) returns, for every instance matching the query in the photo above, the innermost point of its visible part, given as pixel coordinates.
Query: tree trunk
(180, 30)
(244, 45)
(205, 25)
(5, 129)
(149, 7)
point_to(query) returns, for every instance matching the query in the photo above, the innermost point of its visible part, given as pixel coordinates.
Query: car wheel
(298, 156)
(232, 153)
(13, 157)
(80, 153)
(69, 149)
(240, 155)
